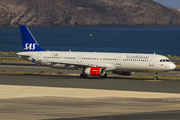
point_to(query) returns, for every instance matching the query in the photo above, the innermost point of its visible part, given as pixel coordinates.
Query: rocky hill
(86, 13)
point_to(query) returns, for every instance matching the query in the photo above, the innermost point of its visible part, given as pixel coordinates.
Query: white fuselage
(111, 61)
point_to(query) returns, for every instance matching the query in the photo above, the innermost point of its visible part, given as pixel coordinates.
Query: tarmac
(61, 97)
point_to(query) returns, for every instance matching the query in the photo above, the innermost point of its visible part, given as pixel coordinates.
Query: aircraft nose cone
(172, 66)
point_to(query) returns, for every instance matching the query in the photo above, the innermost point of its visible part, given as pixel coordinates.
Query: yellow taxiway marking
(155, 80)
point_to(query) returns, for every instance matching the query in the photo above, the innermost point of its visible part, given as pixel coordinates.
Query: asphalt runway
(111, 83)
(64, 97)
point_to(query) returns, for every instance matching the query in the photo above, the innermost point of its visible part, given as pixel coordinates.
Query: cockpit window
(168, 60)
(165, 60)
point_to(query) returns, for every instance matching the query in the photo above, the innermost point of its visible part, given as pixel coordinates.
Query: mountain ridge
(87, 13)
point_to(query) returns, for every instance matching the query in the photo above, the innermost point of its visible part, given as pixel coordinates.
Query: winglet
(28, 41)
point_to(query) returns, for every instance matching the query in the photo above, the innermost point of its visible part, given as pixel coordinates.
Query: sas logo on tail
(30, 46)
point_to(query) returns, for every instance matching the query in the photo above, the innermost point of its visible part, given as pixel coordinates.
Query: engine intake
(95, 71)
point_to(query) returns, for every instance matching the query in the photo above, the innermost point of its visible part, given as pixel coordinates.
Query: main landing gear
(155, 76)
(83, 75)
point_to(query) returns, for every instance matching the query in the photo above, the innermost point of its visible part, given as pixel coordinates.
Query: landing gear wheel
(104, 76)
(83, 76)
(155, 76)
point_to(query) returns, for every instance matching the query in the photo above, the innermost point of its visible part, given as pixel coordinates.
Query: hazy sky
(170, 3)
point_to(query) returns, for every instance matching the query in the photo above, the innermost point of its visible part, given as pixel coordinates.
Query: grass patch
(20, 72)
(177, 62)
(1, 52)
(8, 53)
(13, 59)
(31, 73)
(42, 72)
(60, 72)
(173, 57)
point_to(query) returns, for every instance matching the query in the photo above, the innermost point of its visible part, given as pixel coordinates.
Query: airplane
(93, 63)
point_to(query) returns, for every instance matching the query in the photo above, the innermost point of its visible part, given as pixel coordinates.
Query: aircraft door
(119, 60)
(79, 59)
(151, 62)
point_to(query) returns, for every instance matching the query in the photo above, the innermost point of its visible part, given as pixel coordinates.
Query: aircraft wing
(76, 64)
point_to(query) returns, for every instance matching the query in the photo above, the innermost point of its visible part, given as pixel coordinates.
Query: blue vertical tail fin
(28, 41)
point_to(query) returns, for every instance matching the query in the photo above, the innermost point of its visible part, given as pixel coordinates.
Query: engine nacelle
(123, 72)
(95, 71)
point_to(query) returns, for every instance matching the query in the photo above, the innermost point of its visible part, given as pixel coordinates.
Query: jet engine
(123, 72)
(95, 71)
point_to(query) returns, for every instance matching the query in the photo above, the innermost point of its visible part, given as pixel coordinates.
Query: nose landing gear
(155, 76)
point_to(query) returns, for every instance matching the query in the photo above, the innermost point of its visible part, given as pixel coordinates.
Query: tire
(155, 78)
(83, 76)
